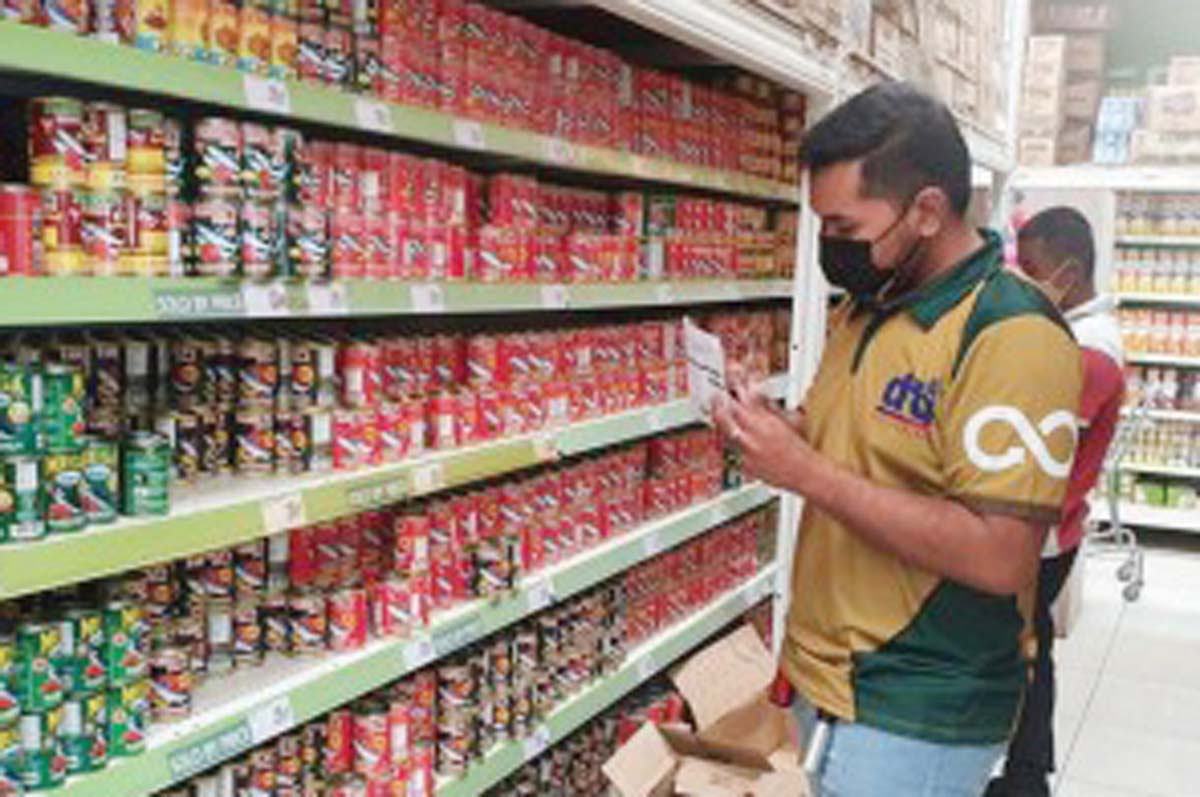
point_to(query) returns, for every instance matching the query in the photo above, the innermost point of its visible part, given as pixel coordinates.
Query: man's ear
(932, 207)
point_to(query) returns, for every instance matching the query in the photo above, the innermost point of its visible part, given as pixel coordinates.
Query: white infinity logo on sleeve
(1033, 440)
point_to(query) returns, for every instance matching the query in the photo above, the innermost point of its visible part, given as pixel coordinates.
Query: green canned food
(42, 764)
(35, 681)
(124, 625)
(145, 475)
(20, 403)
(101, 464)
(22, 500)
(83, 734)
(64, 486)
(62, 408)
(88, 674)
(10, 749)
(128, 710)
(10, 708)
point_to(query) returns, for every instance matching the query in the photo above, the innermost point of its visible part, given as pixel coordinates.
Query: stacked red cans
(667, 588)
(468, 59)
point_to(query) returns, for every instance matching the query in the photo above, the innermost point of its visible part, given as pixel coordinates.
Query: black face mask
(849, 263)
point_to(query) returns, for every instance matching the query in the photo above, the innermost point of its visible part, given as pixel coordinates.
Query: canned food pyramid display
(116, 191)
(97, 425)
(466, 59)
(439, 721)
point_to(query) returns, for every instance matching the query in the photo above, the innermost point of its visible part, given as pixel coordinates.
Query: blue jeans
(861, 761)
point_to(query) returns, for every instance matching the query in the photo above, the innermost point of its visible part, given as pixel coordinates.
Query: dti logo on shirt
(911, 401)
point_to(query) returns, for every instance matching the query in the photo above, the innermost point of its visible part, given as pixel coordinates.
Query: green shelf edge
(105, 550)
(94, 62)
(661, 652)
(47, 301)
(338, 680)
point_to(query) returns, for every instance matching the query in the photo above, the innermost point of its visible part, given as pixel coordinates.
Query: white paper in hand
(706, 368)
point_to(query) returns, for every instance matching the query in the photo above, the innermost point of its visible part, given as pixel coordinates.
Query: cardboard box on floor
(743, 745)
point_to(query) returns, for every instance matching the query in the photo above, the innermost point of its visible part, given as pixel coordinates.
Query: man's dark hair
(1066, 233)
(906, 140)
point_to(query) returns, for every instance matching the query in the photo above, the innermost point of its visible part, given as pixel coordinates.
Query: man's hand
(772, 449)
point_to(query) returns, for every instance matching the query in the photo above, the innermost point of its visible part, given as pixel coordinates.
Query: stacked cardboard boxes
(1171, 131)
(1060, 95)
(1062, 85)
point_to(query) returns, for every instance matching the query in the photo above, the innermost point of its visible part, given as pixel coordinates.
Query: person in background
(932, 456)
(1056, 250)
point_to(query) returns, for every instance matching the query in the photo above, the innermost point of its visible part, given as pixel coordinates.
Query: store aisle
(1129, 705)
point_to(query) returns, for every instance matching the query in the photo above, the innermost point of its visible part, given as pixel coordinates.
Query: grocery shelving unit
(1096, 188)
(251, 706)
(233, 511)
(237, 713)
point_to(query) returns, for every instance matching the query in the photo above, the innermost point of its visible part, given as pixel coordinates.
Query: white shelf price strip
(271, 719)
(264, 94)
(373, 115)
(283, 513)
(469, 134)
(536, 743)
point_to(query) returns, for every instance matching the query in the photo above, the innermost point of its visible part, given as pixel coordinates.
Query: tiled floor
(1128, 719)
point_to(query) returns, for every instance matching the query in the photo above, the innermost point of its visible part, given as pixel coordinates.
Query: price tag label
(284, 513)
(271, 719)
(469, 134)
(717, 515)
(458, 634)
(210, 751)
(558, 150)
(265, 300)
(555, 297)
(418, 653)
(641, 166)
(428, 478)
(541, 593)
(429, 298)
(379, 494)
(265, 94)
(328, 299)
(652, 545)
(665, 293)
(537, 742)
(373, 115)
(646, 667)
(545, 446)
(654, 421)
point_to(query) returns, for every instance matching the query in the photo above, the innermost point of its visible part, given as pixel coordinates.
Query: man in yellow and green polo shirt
(933, 455)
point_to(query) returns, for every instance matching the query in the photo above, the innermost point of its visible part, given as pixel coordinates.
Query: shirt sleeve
(1103, 384)
(1008, 429)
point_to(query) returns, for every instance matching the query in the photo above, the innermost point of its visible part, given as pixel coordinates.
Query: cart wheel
(1125, 572)
(1132, 592)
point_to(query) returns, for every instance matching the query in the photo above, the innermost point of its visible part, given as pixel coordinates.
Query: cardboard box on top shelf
(946, 34)
(1184, 70)
(1173, 109)
(1075, 17)
(1036, 152)
(1041, 109)
(966, 96)
(1045, 54)
(887, 43)
(1081, 99)
(742, 743)
(1074, 143)
(1086, 55)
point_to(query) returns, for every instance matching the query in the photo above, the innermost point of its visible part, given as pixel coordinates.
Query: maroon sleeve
(1103, 385)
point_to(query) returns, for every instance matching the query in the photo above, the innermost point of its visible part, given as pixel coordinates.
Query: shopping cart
(1117, 539)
